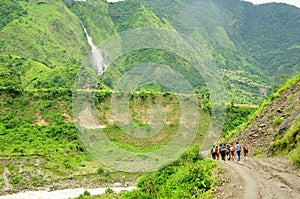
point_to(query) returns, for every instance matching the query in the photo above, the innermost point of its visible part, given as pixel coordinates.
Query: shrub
(189, 177)
(100, 170)
(277, 121)
(37, 181)
(15, 180)
(109, 190)
(295, 156)
(86, 193)
(274, 96)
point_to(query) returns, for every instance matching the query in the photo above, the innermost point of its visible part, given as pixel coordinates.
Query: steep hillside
(245, 44)
(45, 31)
(272, 135)
(243, 39)
(275, 128)
(19, 74)
(95, 17)
(248, 37)
(42, 144)
(251, 45)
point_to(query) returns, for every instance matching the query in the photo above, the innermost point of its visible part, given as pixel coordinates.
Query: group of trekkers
(229, 151)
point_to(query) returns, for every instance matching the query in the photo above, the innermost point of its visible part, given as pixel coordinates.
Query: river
(62, 194)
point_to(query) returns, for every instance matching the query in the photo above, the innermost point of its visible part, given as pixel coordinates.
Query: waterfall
(85, 117)
(96, 54)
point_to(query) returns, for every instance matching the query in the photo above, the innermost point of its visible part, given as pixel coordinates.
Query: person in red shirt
(232, 149)
(217, 152)
(245, 150)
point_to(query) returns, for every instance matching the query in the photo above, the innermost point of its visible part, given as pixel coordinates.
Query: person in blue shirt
(238, 149)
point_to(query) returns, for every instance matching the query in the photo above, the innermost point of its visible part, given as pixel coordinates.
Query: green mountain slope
(95, 17)
(269, 34)
(10, 10)
(274, 128)
(242, 39)
(261, 35)
(45, 31)
(251, 45)
(42, 46)
(245, 44)
(19, 74)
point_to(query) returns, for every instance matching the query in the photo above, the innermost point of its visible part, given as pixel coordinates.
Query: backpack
(232, 148)
(223, 150)
(227, 150)
(223, 147)
(238, 147)
(245, 148)
(213, 150)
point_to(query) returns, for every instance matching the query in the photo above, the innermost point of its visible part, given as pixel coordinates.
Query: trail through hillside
(264, 178)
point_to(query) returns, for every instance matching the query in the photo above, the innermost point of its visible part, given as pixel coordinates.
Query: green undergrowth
(20, 74)
(263, 106)
(236, 116)
(288, 144)
(195, 176)
(37, 125)
(275, 95)
(45, 31)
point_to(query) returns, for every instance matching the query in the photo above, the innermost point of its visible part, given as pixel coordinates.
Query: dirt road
(256, 178)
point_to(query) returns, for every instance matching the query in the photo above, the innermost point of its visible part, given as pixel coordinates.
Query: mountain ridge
(226, 29)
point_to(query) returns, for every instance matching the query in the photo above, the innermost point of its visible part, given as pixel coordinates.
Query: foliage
(100, 170)
(21, 74)
(288, 143)
(277, 121)
(34, 125)
(85, 194)
(109, 190)
(49, 33)
(236, 116)
(264, 105)
(194, 174)
(191, 171)
(273, 96)
(134, 15)
(221, 27)
(95, 17)
(10, 10)
(259, 152)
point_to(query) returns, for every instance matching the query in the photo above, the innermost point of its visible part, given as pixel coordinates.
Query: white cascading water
(97, 56)
(86, 117)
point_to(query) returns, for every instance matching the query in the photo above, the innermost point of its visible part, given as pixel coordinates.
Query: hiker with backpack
(238, 149)
(223, 150)
(227, 152)
(245, 150)
(213, 152)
